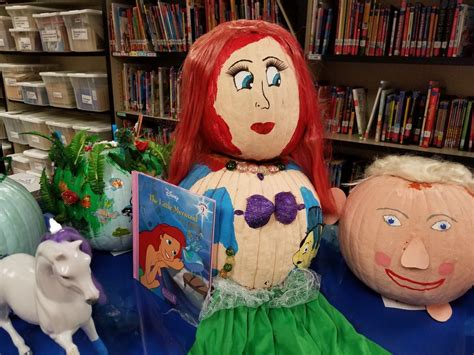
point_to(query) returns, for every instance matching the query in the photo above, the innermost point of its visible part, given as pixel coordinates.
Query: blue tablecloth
(134, 321)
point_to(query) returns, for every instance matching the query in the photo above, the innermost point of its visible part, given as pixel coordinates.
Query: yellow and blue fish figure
(310, 244)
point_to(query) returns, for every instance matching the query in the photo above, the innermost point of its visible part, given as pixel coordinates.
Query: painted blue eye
(441, 226)
(392, 221)
(273, 76)
(243, 80)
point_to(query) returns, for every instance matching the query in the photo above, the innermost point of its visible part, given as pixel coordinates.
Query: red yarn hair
(206, 56)
(153, 237)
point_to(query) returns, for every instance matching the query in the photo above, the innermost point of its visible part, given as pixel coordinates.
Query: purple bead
(286, 207)
(258, 212)
(238, 212)
(301, 207)
(260, 176)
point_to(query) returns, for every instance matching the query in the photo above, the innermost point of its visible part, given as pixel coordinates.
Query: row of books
(405, 117)
(365, 27)
(320, 26)
(151, 92)
(344, 172)
(173, 27)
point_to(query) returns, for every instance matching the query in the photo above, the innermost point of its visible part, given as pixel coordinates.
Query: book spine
(400, 26)
(421, 32)
(327, 32)
(319, 30)
(365, 26)
(409, 124)
(454, 26)
(431, 34)
(395, 134)
(415, 29)
(314, 16)
(411, 20)
(340, 26)
(407, 110)
(467, 117)
(406, 26)
(392, 33)
(471, 135)
(450, 11)
(432, 109)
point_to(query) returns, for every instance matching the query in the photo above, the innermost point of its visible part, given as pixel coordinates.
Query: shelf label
(35, 139)
(57, 94)
(25, 43)
(21, 21)
(31, 95)
(49, 35)
(79, 34)
(94, 95)
(2, 42)
(87, 99)
(14, 135)
(38, 166)
(10, 81)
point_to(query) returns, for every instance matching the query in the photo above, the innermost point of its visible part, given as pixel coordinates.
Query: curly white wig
(419, 169)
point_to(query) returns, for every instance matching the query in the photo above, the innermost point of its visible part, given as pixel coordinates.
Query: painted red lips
(412, 284)
(262, 127)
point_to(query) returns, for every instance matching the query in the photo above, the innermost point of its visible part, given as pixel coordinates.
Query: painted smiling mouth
(412, 284)
(263, 127)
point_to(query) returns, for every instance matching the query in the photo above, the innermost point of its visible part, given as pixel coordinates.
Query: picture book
(173, 233)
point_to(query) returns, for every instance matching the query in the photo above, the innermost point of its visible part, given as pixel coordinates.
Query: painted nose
(262, 101)
(92, 300)
(415, 255)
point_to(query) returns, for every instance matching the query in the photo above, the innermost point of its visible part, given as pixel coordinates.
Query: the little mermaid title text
(172, 208)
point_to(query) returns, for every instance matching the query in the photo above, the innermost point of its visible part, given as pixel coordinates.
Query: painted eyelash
(277, 64)
(235, 69)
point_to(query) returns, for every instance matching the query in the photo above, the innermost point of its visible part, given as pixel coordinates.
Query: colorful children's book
(173, 231)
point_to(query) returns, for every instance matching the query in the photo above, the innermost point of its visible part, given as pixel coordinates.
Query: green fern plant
(47, 194)
(95, 174)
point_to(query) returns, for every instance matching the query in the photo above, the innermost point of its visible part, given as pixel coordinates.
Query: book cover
(173, 232)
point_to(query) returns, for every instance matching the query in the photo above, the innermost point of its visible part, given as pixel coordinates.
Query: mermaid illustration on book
(250, 137)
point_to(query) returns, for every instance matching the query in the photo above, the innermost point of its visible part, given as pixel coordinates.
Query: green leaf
(95, 174)
(47, 195)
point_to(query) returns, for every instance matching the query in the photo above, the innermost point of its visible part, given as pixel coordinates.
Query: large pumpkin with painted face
(250, 136)
(411, 241)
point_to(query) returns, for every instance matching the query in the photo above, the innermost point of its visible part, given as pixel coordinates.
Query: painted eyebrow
(241, 60)
(264, 59)
(441, 214)
(392, 209)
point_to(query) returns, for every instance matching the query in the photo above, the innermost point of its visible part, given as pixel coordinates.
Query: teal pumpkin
(21, 219)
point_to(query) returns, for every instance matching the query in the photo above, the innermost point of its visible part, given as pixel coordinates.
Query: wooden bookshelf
(455, 61)
(54, 54)
(372, 144)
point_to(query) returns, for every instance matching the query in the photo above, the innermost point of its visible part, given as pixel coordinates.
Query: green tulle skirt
(313, 327)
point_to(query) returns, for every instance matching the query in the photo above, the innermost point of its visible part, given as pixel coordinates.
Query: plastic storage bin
(63, 128)
(39, 160)
(14, 126)
(101, 129)
(27, 40)
(91, 91)
(53, 32)
(7, 148)
(85, 30)
(14, 73)
(36, 124)
(3, 132)
(59, 89)
(22, 15)
(7, 43)
(34, 93)
(20, 163)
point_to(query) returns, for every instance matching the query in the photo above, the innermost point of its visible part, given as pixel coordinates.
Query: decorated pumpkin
(21, 219)
(250, 137)
(91, 187)
(407, 231)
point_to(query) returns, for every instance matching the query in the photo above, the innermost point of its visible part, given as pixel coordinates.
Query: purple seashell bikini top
(260, 209)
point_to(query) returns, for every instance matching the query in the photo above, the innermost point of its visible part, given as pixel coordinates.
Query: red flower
(141, 145)
(69, 197)
(86, 201)
(88, 148)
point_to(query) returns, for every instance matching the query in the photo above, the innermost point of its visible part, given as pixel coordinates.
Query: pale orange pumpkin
(410, 241)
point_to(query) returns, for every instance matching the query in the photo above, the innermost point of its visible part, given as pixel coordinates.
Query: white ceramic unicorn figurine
(55, 290)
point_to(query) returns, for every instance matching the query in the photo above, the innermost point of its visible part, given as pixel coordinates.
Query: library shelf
(55, 54)
(145, 54)
(354, 139)
(128, 115)
(454, 61)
